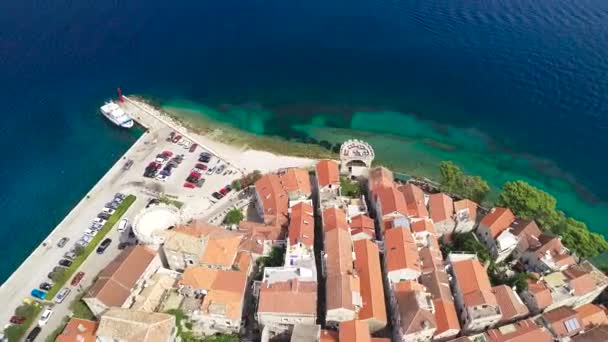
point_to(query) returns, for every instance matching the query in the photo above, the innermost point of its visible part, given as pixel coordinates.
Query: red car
(77, 278)
(223, 191)
(201, 166)
(195, 174)
(189, 185)
(177, 138)
(167, 154)
(17, 319)
(193, 147)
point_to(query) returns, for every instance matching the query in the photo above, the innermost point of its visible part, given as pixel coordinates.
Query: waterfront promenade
(197, 204)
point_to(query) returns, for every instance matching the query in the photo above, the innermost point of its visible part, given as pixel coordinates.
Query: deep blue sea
(530, 75)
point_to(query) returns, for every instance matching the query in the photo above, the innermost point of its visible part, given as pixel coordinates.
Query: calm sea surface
(507, 89)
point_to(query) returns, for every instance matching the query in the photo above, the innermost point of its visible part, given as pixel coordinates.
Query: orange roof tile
(414, 198)
(334, 218)
(327, 173)
(422, 226)
(541, 294)
(522, 331)
(114, 283)
(338, 249)
(445, 316)
(430, 259)
(414, 317)
(468, 206)
(580, 279)
(557, 318)
(511, 306)
(226, 295)
(289, 297)
(78, 330)
(221, 250)
(296, 179)
(254, 234)
(408, 285)
(380, 177)
(198, 277)
(302, 225)
(592, 315)
(367, 264)
(354, 331)
(391, 201)
(401, 251)
(437, 284)
(243, 261)
(362, 224)
(498, 220)
(340, 290)
(473, 282)
(441, 207)
(273, 198)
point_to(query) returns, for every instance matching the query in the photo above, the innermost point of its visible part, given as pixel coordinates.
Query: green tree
(236, 184)
(529, 203)
(234, 216)
(451, 177)
(475, 188)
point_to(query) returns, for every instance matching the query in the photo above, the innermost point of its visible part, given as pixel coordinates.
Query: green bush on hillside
(454, 181)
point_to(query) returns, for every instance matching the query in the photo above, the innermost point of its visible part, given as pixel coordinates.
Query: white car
(109, 210)
(210, 170)
(61, 295)
(44, 318)
(86, 238)
(162, 178)
(90, 232)
(99, 220)
(187, 144)
(123, 224)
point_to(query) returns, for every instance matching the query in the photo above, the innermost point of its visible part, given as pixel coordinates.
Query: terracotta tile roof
(592, 315)
(367, 264)
(391, 201)
(224, 304)
(437, 284)
(380, 177)
(441, 207)
(296, 179)
(255, 234)
(414, 198)
(327, 173)
(221, 249)
(541, 294)
(511, 306)
(497, 221)
(338, 249)
(581, 280)
(408, 285)
(340, 290)
(401, 251)
(302, 225)
(473, 282)
(468, 206)
(445, 316)
(203, 278)
(290, 297)
(430, 259)
(274, 199)
(243, 261)
(414, 317)
(597, 334)
(557, 319)
(135, 326)
(334, 218)
(198, 277)
(114, 283)
(522, 331)
(525, 228)
(354, 331)
(78, 330)
(362, 224)
(422, 226)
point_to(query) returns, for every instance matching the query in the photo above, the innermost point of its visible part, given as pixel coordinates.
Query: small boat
(114, 113)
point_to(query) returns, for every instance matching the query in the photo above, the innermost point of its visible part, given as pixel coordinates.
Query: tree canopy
(234, 216)
(454, 181)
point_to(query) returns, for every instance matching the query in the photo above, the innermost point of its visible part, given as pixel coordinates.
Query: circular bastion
(154, 220)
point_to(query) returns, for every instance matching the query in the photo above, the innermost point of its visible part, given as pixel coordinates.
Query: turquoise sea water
(507, 89)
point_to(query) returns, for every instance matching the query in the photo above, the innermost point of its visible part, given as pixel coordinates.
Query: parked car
(210, 171)
(177, 138)
(33, 334)
(195, 174)
(220, 169)
(122, 225)
(90, 232)
(201, 166)
(70, 255)
(120, 196)
(77, 278)
(44, 318)
(61, 295)
(189, 185)
(223, 191)
(127, 165)
(99, 220)
(109, 210)
(58, 269)
(193, 147)
(161, 178)
(38, 294)
(17, 319)
(200, 182)
(45, 286)
(62, 242)
(104, 215)
(217, 195)
(104, 245)
(65, 262)
(187, 144)
(167, 154)
(170, 137)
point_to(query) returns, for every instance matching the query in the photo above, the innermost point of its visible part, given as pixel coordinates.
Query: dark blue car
(38, 294)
